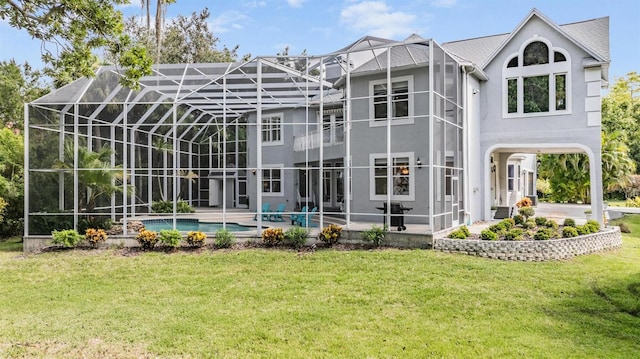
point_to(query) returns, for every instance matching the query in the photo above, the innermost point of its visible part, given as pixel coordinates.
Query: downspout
(465, 143)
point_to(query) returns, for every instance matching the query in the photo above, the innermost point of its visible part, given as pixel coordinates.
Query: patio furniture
(304, 219)
(276, 216)
(294, 216)
(266, 208)
(306, 201)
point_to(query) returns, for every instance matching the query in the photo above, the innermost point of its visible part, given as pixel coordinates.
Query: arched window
(536, 53)
(536, 80)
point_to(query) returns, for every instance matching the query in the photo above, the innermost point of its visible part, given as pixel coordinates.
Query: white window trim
(333, 129)
(411, 197)
(373, 122)
(519, 73)
(276, 167)
(273, 143)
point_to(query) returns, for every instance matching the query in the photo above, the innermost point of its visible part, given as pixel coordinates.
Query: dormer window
(536, 80)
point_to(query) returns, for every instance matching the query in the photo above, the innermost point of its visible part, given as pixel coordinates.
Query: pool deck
(557, 212)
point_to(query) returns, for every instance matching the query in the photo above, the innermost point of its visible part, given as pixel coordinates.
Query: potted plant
(587, 214)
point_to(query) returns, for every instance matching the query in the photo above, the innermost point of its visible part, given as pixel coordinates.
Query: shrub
(509, 223)
(543, 234)
(518, 219)
(632, 202)
(540, 221)
(569, 222)
(514, 234)
(330, 234)
(95, 236)
(582, 230)
(593, 225)
(375, 235)
(488, 235)
(500, 228)
(464, 229)
(552, 224)
(529, 224)
(526, 212)
(225, 239)
(272, 236)
(525, 202)
(167, 207)
(68, 238)
(196, 239)
(296, 236)
(569, 232)
(170, 238)
(457, 234)
(147, 239)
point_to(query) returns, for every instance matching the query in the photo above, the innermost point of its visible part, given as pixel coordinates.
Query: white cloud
(254, 4)
(131, 4)
(443, 3)
(227, 20)
(295, 3)
(378, 19)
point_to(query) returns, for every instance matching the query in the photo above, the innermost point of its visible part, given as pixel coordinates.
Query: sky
(266, 27)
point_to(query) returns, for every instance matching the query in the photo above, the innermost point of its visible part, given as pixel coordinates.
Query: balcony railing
(311, 140)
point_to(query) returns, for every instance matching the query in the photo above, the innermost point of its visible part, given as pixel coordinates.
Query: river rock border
(530, 251)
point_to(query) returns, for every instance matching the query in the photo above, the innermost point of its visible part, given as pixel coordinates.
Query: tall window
(272, 129)
(402, 176)
(272, 180)
(536, 81)
(400, 96)
(511, 177)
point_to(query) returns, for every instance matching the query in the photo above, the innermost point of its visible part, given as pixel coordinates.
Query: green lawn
(357, 304)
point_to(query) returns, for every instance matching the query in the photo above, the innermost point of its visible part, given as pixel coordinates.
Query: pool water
(187, 225)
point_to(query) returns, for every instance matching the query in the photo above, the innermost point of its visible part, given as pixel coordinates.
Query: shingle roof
(402, 55)
(475, 50)
(592, 34)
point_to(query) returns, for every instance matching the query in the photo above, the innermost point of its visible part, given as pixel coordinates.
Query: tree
(621, 112)
(72, 30)
(95, 173)
(19, 84)
(184, 40)
(568, 176)
(617, 166)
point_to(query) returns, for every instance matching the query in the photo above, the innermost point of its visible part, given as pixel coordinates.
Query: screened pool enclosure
(377, 123)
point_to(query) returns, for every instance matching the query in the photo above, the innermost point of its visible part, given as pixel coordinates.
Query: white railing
(311, 140)
(306, 141)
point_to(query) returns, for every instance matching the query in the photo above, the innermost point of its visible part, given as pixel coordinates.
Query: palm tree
(95, 173)
(617, 166)
(161, 10)
(164, 147)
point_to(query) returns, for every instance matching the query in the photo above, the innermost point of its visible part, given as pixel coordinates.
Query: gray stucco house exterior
(439, 132)
(497, 101)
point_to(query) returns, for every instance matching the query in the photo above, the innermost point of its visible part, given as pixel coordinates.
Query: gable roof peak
(537, 13)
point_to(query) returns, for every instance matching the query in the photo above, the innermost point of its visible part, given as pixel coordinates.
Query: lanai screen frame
(178, 88)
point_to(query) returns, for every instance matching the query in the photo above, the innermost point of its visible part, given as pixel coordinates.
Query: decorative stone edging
(553, 249)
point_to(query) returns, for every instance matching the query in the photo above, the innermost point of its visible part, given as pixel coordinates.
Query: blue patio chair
(276, 216)
(266, 208)
(304, 220)
(294, 216)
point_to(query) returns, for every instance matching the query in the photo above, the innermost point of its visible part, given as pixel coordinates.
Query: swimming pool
(188, 224)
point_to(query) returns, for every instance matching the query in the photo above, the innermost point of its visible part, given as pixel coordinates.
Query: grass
(275, 303)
